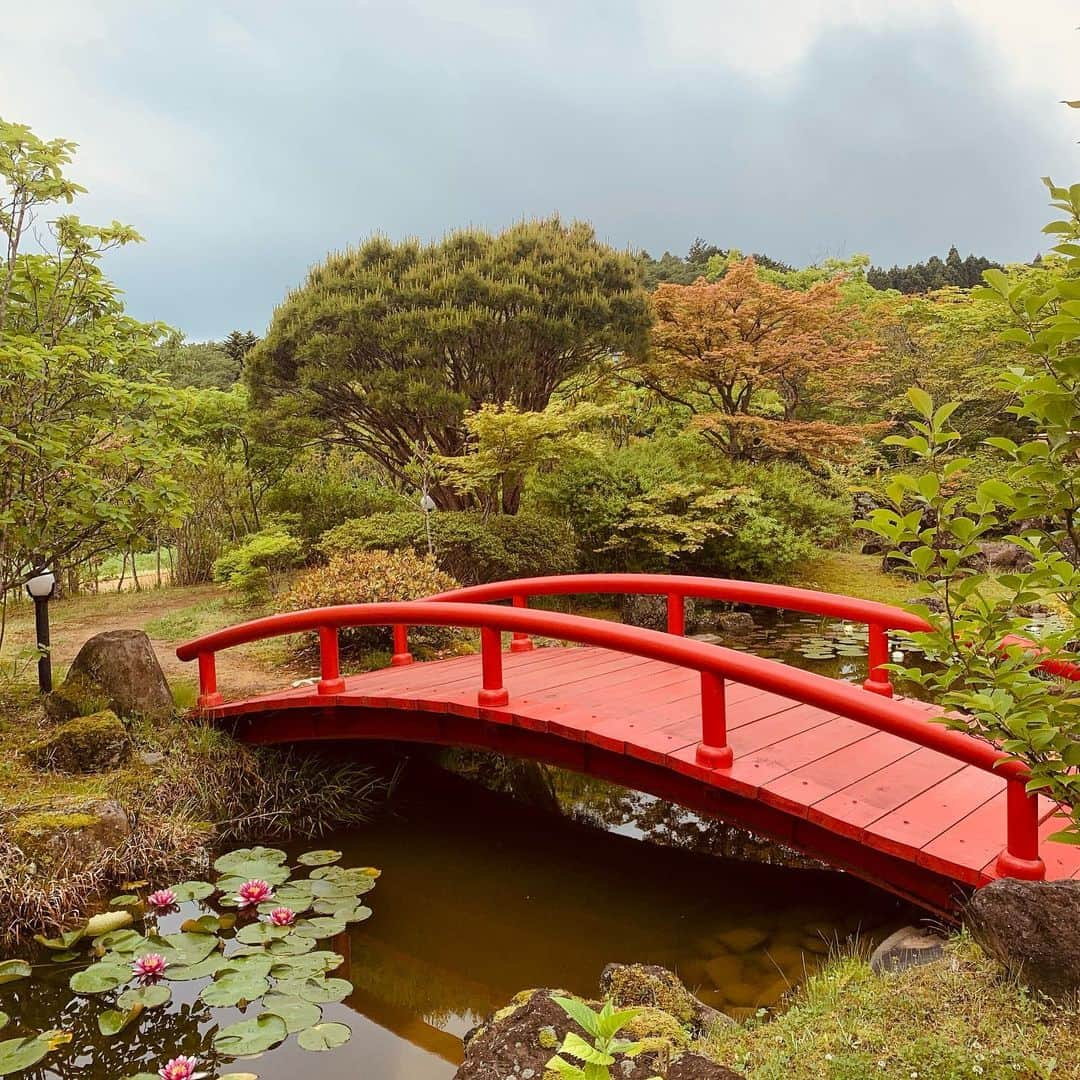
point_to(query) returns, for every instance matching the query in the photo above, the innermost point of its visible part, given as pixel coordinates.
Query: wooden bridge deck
(824, 783)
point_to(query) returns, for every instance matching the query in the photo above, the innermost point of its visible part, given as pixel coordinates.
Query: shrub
(254, 566)
(370, 577)
(467, 545)
(667, 504)
(323, 489)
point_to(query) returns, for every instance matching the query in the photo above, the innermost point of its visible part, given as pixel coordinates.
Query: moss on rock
(87, 744)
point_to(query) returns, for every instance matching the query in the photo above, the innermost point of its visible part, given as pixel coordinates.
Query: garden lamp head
(427, 503)
(42, 584)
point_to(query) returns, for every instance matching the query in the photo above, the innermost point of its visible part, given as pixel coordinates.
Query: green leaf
(12, 970)
(192, 890)
(4, 1020)
(250, 1037)
(259, 933)
(19, 1054)
(922, 402)
(230, 987)
(579, 1012)
(317, 990)
(204, 968)
(148, 997)
(100, 977)
(297, 1013)
(112, 1021)
(236, 863)
(319, 858)
(324, 1036)
(574, 1045)
(108, 921)
(125, 900)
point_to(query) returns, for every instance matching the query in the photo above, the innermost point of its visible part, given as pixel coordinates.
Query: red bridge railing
(879, 618)
(715, 664)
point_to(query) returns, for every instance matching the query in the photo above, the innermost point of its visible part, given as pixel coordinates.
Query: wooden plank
(852, 809)
(921, 819)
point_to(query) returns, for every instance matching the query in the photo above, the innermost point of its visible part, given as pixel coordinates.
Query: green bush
(254, 566)
(466, 544)
(323, 489)
(370, 577)
(660, 505)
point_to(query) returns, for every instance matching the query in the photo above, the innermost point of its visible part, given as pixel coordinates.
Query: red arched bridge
(850, 774)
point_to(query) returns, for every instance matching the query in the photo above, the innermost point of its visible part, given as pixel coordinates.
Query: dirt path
(73, 621)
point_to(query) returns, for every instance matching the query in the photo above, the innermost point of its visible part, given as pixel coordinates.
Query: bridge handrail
(714, 663)
(879, 618)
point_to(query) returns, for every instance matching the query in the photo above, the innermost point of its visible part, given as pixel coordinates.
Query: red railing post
(676, 614)
(713, 750)
(493, 691)
(877, 681)
(401, 656)
(208, 691)
(520, 642)
(1020, 859)
(329, 661)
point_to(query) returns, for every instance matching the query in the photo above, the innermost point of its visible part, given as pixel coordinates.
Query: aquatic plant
(268, 952)
(163, 898)
(604, 1027)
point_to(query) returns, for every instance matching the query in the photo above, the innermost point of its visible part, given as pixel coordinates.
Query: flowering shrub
(368, 577)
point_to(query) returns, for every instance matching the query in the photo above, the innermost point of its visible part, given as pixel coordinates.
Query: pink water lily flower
(180, 1068)
(163, 898)
(282, 916)
(150, 968)
(254, 892)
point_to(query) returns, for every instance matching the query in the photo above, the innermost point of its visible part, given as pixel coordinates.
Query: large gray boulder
(1033, 929)
(71, 838)
(116, 670)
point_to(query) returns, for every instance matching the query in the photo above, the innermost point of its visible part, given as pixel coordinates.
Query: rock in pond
(1033, 929)
(87, 744)
(518, 1041)
(909, 947)
(116, 670)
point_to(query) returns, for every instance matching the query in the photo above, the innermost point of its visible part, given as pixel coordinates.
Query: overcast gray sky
(245, 140)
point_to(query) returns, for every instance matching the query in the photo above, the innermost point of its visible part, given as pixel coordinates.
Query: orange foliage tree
(764, 369)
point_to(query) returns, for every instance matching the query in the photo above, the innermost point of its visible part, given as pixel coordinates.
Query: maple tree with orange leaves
(758, 364)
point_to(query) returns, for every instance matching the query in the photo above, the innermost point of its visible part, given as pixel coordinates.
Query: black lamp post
(40, 587)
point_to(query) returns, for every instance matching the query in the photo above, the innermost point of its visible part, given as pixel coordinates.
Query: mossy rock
(70, 838)
(87, 744)
(117, 670)
(520, 1039)
(650, 987)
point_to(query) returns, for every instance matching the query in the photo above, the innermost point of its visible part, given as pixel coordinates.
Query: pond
(482, 896)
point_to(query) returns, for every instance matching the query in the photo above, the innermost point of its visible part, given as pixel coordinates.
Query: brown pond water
(482, 896)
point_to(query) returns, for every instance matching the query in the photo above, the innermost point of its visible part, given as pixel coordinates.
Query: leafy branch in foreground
(604, 1027)
(994, 684)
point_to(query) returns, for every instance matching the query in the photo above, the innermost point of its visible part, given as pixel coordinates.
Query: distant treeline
(935, 273)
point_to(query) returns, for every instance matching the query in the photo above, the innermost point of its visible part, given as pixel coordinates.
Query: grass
(856, 575)
(189, 622)
(958, 1018)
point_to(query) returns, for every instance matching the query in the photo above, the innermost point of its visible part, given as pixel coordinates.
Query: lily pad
(260, 933)
(317, 990)
(296, 1013)
(123, 942)
(149, 997)
(125, 900)
(320, 927)
(186, 972)
(324, 1036)
(231, 987)
(319, 858)
(228, 863)
(106, 921)
(64, 957)
(184, 949)
(192, 890)
(64, 942)
(99, 977)
(12, 970)
(293, 946)
(19, 1054)
(112, 1021)
(250, 1037)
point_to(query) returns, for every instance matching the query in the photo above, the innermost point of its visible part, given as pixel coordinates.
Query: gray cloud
(295, 131)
